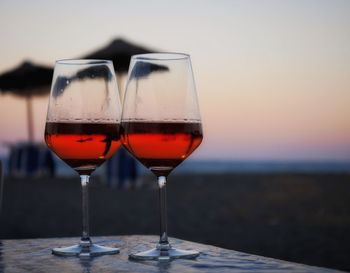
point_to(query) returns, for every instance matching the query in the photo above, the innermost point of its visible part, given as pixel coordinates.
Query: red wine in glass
(83, 146)
(161, 146)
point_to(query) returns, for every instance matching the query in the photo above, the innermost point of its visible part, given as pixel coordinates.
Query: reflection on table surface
(34, 255)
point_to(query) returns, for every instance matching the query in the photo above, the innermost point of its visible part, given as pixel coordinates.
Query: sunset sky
(273, 77)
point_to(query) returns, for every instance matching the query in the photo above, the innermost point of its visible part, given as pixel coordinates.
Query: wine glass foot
(164, 255)
(91, 251)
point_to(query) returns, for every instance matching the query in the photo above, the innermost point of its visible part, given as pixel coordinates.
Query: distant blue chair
(1, 184)
(121, 170)
(30, 159)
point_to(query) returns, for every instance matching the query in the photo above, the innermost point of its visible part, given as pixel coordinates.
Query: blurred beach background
(272, 176)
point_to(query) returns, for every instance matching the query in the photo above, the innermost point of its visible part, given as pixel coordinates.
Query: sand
(298, 217)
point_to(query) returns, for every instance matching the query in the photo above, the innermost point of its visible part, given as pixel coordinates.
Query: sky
(273, 77)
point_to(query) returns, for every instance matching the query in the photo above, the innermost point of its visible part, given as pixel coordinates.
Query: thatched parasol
(27, 80)
(120, 52)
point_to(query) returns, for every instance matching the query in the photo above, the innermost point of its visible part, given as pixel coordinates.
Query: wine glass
(161, 127)
(83, 129)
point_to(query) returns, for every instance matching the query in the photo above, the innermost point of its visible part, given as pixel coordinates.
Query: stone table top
(34, 255)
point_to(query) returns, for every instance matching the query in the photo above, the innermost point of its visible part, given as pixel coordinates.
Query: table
(34, 255)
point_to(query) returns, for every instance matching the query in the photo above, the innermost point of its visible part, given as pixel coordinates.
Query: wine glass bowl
(83, 118)
(83, 129)
(161, 126)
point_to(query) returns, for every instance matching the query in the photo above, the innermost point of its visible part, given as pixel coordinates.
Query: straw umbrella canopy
(120, 52)
(27, 80)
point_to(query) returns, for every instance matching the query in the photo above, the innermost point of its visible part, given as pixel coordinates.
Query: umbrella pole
(30, 118)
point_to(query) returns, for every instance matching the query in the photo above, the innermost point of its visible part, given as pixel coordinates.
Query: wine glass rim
(162, 56)
(83, 61)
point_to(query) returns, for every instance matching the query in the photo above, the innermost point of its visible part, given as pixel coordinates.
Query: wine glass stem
(85, 238)
(163, 241)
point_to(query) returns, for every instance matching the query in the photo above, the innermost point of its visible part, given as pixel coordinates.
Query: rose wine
(161, 146)
(83, 146)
